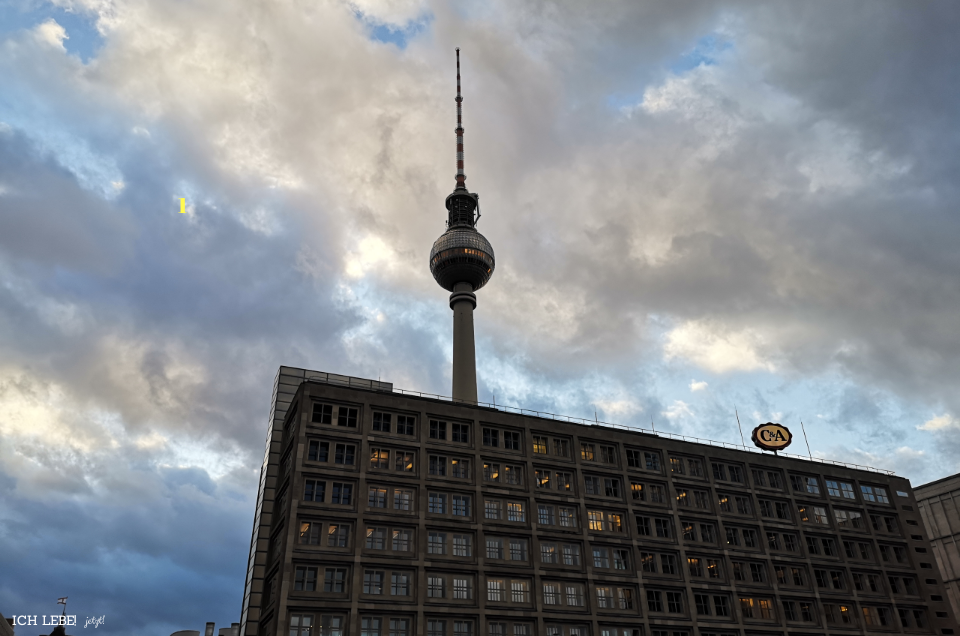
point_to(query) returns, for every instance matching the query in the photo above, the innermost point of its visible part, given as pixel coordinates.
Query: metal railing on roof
(596, 422)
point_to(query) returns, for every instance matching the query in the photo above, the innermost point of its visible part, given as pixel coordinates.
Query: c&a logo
(772, 437)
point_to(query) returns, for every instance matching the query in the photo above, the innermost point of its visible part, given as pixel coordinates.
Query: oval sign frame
(771, 445)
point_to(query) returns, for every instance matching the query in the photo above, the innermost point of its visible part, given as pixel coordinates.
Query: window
(774, 509)
(460, 468)
(588, 452)
(520, 592)
(436, 587)
(849, 519)
(621, 559)
(381, 422)
(436, 543)
(377, 497)
(699, 567)
(518, 549)
(404, 461)
(858, 550)
(462, 588)
(310, 532)
(305, 579)
(322, 414)
(761, 608)
(342, 494)
(830, 579)
(654, 562)
(399, 627)
(379, 458)
(798, 611)
(370, 626)
(720, 605)
(373, 582)
(460, 433)
(436, 628)
(511, 440)
(571, 554)
(561, 448)
(601, 558)
(874, 494)
(676, 465)
(661, 528)
(551, 594)
(402, 540)
(313, 490)
(338, 535)
(746, 537)
(461, 505)
(494, 548)
(813, 514)
(808, 485)
(783, 542)
(437, 503)
(512, 475)
(438, 429)
(462, 545)
(344, 454)
(492, 509)
(608, 455)
(601, 521)
(438, 465)
(346, 417)
(515, 511)
(318, 451)
(334, 580)
(539, 445)
(405, 425)
(491, 437)
(839, 614)
(376, 538)
(403, 499)
(789, 575)
(840, 489)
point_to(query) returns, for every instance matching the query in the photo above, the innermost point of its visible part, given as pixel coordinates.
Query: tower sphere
(462, 255)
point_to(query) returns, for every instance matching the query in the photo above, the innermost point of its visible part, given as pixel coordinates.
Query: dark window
(342, 493)
(344, 454)
(333, 579)
(438, 429)
(460, 433)
(381, 422)
(322, 414)
(305, 579)
(511, 440)
(652, 461)
(634, 459)
(346, 417)
(404, 425)
(491, 437)
(319, 451)
(313, 490)
(654, 601)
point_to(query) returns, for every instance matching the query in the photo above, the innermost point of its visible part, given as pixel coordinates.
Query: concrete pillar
(462, 302)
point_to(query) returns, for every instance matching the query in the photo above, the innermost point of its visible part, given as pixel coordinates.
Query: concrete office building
(383, 513)
(387, 514)
(939, 503)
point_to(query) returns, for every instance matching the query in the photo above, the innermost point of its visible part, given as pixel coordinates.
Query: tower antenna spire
(461, 177)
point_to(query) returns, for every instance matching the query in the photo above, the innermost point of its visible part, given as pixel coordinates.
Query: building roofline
(385, 387)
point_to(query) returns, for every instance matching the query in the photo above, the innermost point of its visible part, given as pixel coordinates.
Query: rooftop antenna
(806, 440)
(461, 177)
(652, 426)
(742, 441)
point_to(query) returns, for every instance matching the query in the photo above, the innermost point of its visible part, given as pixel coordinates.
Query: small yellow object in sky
(183, 206)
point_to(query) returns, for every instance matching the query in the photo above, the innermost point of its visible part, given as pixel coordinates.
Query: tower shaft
(463, 301)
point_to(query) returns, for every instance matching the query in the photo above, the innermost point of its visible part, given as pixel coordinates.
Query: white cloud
(717, 350)
(51, 34)
(939, 423)
(697, 386)
(678, 410)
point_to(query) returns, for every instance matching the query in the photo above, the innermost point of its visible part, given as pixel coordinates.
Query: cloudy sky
(696, 208)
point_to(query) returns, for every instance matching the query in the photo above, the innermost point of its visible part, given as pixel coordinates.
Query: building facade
(384, 514)
(939, 503)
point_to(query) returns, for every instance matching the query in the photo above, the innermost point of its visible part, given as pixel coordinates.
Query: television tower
(462, 262)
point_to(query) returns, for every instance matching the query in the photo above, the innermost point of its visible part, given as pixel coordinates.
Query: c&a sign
(772, 437)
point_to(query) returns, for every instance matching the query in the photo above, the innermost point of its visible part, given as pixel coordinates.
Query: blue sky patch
(706, 51)
(84, 39)
(392, 34)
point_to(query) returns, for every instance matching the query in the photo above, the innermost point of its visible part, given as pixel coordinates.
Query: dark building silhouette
(939, 503)
(389, 514)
